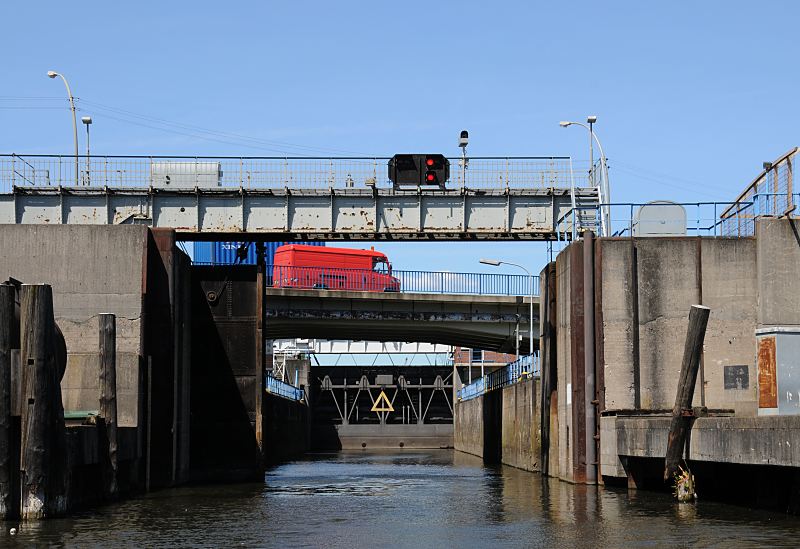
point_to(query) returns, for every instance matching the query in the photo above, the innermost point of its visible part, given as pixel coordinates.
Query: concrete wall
(644, 290)
(478, 426)
(521, 426)
(286, 428)
(562, 467)
(778, 259)
(671, 275)
(468, 431)
(729, 288)
(92, 270)
(768, 440)
(138, 275)
(617, 320)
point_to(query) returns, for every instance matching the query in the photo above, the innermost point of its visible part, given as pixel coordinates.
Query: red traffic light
(406, 170)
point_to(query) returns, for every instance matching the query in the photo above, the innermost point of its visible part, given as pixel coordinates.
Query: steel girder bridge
(204, 198)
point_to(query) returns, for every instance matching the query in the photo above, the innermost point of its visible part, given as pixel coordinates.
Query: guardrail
(188, 172)
(328, 278)
(365, 280)
(771, 193)
(699, 219)
(521, 369)
(277, 387)
(474, 389)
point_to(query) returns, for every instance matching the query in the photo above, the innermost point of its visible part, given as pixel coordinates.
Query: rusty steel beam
(303, 214)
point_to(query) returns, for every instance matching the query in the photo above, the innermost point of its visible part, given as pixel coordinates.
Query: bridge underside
(490, 336)
(304, 214)
(481, 322)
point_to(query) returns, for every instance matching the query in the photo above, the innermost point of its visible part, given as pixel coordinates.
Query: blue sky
(691, 97)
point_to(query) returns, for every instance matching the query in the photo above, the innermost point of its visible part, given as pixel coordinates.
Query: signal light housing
(419, 170)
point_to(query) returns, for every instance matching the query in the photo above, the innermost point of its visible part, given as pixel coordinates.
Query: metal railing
(474, 389)
(523, 368)
(701, 219)
(277, 387)
(365, 280)
(188, 172)
(771, 193)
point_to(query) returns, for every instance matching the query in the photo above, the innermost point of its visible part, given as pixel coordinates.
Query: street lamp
(87, 120)
(497, 263)
(53, 74)
(605, 189)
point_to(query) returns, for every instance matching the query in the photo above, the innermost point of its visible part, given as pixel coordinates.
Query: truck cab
(326, 268)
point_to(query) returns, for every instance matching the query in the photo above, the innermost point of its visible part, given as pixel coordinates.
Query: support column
(589, 358)
(261, 347)
(547, 347)
(681, 412)
(43, 455)
(108, 399)
(6, 472)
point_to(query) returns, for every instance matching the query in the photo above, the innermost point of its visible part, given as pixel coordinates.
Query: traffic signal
(419, 170)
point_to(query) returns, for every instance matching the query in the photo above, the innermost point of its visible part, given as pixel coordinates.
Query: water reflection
(410, 499)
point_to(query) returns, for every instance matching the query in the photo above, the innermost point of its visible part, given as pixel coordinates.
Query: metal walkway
(293, 198)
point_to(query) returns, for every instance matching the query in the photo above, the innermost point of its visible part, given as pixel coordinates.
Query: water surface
(409, 499)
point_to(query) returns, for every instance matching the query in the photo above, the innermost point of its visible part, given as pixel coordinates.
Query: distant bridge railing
(523, 368)
(277, 387)
(365, 280)
(206, 172)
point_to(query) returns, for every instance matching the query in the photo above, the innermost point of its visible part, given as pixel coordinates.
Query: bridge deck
(475, 321)
(293, 199)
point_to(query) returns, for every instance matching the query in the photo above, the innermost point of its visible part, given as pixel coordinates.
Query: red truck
(316, 267)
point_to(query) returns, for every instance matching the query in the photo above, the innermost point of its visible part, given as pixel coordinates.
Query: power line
(31, 97)
(196, 136)
(270, 145)
(669, 177)
(666, 183)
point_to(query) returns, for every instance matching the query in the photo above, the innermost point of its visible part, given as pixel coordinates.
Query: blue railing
(365, 280)
(474, 389)
(278, 387)
(521, 369)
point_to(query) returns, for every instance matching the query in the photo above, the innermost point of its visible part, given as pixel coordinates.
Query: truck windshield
(379, 265)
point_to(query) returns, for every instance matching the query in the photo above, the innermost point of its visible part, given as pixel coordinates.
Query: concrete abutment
(643, 289)
(144, 281)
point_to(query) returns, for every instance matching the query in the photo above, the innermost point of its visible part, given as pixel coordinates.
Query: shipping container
(224, 253)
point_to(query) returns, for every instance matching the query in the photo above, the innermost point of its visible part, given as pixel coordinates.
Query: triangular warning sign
(386, 407)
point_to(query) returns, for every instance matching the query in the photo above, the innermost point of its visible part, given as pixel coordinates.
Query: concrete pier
(128, 404)
(642, 290)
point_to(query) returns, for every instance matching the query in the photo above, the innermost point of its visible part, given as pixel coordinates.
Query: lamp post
(497, 263)
(53, 74)
(87, 120)
(605, 189)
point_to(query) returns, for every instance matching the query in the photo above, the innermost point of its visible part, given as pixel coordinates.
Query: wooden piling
(682, 411)
(108, 398)
(43, 456)
(6, 319)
